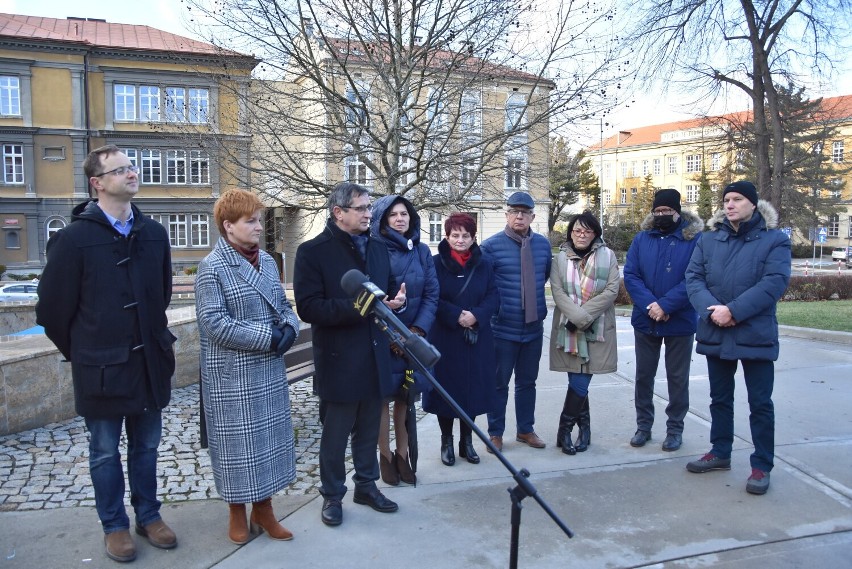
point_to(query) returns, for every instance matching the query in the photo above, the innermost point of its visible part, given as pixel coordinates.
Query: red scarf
(251, 255)
(461, 258)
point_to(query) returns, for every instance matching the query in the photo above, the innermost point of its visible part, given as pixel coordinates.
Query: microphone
(368, 299)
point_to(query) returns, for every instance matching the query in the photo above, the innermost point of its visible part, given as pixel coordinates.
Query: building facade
(674, 155)
(68, 86)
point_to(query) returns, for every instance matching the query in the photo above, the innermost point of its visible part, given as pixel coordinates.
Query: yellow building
(466, 116)
(674, 154)
(70, 85)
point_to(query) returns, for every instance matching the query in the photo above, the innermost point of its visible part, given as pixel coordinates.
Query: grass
(823, 315)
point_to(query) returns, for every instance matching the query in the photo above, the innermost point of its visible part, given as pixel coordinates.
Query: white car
(18, 291)
(840, 254)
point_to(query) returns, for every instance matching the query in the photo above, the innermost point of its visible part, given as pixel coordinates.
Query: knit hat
(667, 198)
(746, 189)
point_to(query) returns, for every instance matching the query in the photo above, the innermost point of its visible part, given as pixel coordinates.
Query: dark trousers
(759, 381)
(359, 419)
(678, 357)
(522, 358)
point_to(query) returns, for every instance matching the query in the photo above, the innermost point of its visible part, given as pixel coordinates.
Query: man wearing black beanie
(654, 278)
(735, 278)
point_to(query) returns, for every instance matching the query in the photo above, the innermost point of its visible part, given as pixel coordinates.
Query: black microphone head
(352, 281)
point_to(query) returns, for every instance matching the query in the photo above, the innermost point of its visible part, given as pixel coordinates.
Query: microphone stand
(524, 487)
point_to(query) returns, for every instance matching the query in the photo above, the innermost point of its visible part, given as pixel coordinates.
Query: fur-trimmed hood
(690, 229)
(770, 216)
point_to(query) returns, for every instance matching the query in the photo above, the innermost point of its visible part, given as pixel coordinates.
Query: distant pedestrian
(521, 259)
(654, 276)
(736, 276)
(584, 282)
(246, 324)
(103, 296)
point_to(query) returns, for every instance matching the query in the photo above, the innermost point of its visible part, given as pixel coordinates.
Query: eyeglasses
(518, 212)
(120, 171)
(360, 209)
(658, 213)
(576, 231)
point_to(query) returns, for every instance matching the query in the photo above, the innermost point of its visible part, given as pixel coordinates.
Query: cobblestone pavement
(49, 467)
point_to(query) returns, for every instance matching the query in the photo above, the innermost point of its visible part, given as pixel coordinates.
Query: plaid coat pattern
(247, 401)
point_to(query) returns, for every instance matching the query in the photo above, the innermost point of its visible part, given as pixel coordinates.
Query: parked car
(18, 291)
(838, 254)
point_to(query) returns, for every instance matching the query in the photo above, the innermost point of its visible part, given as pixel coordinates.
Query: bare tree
(410, 95)
(749, 45)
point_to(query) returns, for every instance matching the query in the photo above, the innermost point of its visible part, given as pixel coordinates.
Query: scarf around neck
(585, 279)
(252, 255)
(461, 258)
(528, 293)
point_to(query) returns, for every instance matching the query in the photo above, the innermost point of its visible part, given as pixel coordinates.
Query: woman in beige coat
(584, 281)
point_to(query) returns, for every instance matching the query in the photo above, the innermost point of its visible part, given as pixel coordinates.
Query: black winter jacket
(102, 301)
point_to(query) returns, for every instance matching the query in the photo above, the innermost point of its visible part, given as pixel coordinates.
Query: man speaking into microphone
(351, 353)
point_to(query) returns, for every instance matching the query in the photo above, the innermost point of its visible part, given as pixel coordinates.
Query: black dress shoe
(375, 500)
(640, 438)
(672, 442)
(332, 512)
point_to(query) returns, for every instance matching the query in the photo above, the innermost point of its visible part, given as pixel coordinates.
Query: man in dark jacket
(521, 259)
(654, 278)
(736, 276)
(351, 353)
(102, 300)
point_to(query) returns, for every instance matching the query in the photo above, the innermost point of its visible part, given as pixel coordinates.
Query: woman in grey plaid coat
(246, 324)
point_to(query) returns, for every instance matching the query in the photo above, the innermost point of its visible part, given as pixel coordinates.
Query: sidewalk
(628, 507)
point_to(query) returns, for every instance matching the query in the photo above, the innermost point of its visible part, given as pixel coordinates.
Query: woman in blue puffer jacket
(397, 224)
(736, 276)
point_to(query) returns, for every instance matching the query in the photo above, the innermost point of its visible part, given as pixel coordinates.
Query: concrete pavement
(628, 507)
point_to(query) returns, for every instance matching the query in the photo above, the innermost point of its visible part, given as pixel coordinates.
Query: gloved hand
(283, 337)
(417, 330)
(397, 351)
(570, 326)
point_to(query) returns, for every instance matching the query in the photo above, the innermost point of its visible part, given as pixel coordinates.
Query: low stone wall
(16, 316)
(35, 382)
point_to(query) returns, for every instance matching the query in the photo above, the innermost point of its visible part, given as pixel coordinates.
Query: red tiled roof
(102, 34)
(835, 108)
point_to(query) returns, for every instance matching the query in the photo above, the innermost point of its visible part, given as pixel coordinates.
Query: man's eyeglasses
(659, 212)
(360, 209)
(518, 212)
(576, 231)
(120, 171)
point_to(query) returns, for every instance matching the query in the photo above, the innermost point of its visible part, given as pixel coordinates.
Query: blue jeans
(522, 358)
(678, 357)
(143, 438)
(579, 383)
(759, 381)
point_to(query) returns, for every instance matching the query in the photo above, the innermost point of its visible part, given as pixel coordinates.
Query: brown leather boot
(263, 519)
(119, 546)
(406, 474)
(238, 531)
(388, 469)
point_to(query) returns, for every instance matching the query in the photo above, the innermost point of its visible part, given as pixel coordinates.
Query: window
(623, 196)
(834, 225)
(149, 103)
(633, 192)
(633, 169)
(125, 103)
(837, 151)
(516, 104)
(151, 167)
(131, 154)
(199, 167)
(739, 164)
(436, 227)
(13, 164)
(850, 227)
(715, 162)
(644, 167)
(175, 104)
(53, 226)
(198, 106)
(176, 167)
(693, 162)
(436, 111)
(658, 169)
(356, 170)
(607, 170)
(624, 169)
(514, 173)
(10, 96)
(691, 193)
(672, 164)
(468, 172)
(471, 123)
(186, 230)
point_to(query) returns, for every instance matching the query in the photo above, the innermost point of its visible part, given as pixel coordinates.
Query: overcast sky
(172, 15)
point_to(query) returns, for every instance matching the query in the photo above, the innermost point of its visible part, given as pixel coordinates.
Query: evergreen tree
(564, 180)
(707, 198)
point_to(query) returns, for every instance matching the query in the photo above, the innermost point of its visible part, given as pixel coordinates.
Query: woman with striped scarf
(584, 280)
